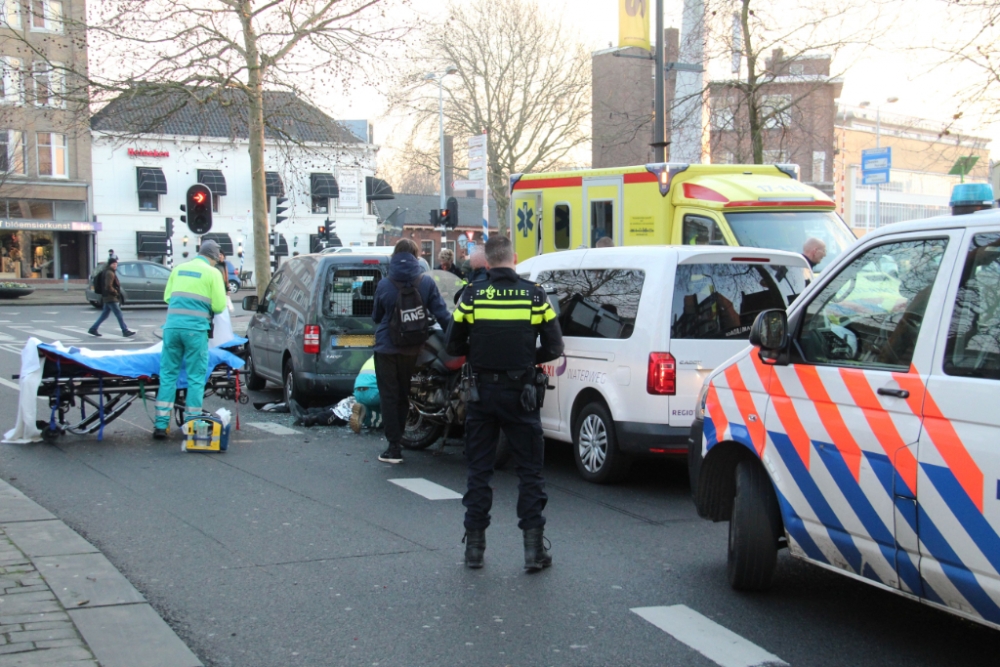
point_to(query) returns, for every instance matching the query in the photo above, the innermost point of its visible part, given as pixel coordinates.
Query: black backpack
(409, 325)
(97, 283)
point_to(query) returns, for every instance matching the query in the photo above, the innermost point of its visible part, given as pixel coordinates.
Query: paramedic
(496, 325)
(195, 293)
(814, 250)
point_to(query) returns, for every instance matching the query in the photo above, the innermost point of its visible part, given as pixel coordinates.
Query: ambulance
(861, 429)
(761, 206)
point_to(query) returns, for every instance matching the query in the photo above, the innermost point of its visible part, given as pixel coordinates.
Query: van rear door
(716, 297)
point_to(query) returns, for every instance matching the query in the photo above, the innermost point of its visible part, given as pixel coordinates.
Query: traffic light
(278, 206)
(321, 231)
(435, 217)
(452, 219)
(170, 227)
(199, 209)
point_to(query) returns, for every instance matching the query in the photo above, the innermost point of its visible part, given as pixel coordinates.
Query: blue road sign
(875, 177)
(876, 159)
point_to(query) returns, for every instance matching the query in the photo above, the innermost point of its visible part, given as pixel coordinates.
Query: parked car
(643, 327)
(860, 431)
(233, 282)
(313, 331)
(143, 282)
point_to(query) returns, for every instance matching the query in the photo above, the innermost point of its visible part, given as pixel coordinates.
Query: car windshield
(791, 230)
(349, 297)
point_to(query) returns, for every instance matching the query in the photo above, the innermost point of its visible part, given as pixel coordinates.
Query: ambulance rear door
(526, 223)
(602, 210)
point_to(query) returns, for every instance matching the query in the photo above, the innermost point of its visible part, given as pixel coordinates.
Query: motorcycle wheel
(503, 452)
(420, 434)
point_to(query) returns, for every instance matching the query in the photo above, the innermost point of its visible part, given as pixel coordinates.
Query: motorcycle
(437, 404)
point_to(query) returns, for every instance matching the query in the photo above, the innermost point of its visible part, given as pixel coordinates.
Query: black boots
(475, 547)
(536, 556)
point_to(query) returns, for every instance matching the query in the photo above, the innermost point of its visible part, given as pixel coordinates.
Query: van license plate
(353, 341)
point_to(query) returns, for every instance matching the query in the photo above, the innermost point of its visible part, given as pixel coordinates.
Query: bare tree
(197, 51)
(521, 78)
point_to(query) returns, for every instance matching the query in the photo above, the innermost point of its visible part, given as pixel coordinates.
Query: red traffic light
(199, 197)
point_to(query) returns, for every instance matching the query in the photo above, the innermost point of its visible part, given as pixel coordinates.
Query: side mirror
(770, 330)
(250, 303)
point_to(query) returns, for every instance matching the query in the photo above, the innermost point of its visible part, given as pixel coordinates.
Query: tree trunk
(753, 104)
(258, 185)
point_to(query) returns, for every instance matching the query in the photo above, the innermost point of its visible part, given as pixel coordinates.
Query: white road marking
(427, 489)
(43, 321)
(42, 333)
(718, 644)
(9, 383)
(76, 330)
(275, 429)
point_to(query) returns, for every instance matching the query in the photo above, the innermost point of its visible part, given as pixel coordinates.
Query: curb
(64, 602)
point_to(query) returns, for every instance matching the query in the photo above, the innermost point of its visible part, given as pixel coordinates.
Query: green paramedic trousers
(191, 348)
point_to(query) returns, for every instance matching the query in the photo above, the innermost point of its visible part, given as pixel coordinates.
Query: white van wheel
(595, 447)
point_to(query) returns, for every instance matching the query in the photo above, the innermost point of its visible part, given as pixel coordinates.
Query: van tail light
(310, 342)
(661, 377)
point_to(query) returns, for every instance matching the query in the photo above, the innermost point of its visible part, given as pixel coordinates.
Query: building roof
(418, 208)
(214, 112)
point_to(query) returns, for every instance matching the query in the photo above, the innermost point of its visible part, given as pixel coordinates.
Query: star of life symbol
(524, 219)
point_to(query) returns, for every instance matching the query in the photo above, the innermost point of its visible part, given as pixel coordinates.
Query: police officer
(496, 325)
(195, 293)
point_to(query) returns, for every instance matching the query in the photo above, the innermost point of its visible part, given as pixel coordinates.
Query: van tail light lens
(310, 342)
(661, 377)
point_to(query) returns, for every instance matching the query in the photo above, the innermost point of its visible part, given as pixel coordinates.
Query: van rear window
(595, 303)
(721, 301)
(349, 297)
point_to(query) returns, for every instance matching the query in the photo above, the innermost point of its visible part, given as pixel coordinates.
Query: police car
(862, 429)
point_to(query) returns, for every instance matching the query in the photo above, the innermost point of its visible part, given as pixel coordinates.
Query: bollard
(65, 282)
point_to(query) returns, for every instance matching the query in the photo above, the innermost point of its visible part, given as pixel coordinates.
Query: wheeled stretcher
(102, 386)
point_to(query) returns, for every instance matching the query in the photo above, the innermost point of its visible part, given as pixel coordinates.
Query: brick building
(409, 216)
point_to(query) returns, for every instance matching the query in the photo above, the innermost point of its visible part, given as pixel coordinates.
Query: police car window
(870, 314)
(561, 219)
(349, 297)
(973, 347)
(699, 230)
(721, 301)
(595, 303)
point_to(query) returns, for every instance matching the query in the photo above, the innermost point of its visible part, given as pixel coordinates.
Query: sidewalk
(64, 603)
(54, 293)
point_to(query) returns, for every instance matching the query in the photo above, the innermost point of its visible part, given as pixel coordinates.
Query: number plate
(353, 341)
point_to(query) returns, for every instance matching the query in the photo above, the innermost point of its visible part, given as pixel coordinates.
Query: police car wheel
(595, 447)
(754, 529)
(253, 381)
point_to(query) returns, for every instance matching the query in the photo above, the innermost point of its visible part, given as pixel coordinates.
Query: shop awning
(378, 190)
(214, 179)
(225, 243)
(275, 188)
(151, 243)
(324, 185)
(151, 180)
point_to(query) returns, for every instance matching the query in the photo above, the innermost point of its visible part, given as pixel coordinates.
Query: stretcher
(102, 386)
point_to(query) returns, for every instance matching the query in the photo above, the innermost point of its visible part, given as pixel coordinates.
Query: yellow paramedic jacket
(195, 293)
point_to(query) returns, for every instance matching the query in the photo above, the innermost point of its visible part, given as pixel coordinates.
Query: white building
(148, 149)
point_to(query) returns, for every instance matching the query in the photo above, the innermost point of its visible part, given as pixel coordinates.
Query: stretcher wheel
(48, 433)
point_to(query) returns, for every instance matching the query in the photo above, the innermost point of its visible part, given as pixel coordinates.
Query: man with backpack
(107, 285)
(404, 302)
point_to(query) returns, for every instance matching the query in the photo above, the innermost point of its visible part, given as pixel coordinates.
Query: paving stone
(113, 633)
(59, 615)
(48, 625)
(47, 657)
(22, 598)
(16, 648)
(14, 607)
(46, 538)
(89, 577)
(23, 509)
(60, 643)
(41, 635)
(20, 590)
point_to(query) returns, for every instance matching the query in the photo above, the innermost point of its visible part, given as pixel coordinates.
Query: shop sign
(50, 226)
(143, 152)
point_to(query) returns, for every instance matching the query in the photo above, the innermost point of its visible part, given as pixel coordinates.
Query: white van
(643, 327)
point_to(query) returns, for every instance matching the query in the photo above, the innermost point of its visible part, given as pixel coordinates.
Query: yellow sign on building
(633, 23)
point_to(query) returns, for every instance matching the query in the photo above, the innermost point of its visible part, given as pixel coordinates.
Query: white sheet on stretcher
(25, 430)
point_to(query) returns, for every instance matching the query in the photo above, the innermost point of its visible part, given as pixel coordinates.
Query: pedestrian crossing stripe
(427, 488)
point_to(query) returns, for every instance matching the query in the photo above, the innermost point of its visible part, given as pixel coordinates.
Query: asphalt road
(295, 548)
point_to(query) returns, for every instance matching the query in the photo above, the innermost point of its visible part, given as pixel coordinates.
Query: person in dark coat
(447, 259)
(394, 366)
(111, 296)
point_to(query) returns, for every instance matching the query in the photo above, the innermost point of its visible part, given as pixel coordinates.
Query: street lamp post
(878, 144)
(439, 77)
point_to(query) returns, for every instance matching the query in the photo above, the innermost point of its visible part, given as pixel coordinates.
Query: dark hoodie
(405, 270)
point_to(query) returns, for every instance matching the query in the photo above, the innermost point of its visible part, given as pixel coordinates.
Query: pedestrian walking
(195, 293)
(496, 325)
(112, 297)
(394, 363)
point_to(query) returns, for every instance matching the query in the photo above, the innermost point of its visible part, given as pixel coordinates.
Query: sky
(893, 69)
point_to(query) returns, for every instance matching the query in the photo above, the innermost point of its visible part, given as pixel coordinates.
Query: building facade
(142, 174)
(923, 154)
(408, 216)
(46, 223)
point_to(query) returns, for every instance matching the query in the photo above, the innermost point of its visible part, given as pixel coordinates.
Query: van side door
(842, 425)
(958, 487)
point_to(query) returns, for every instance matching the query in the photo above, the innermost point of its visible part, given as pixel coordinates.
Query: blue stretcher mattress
(144, 363)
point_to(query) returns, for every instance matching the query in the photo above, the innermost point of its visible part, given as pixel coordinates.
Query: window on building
(776, 112)
(149, 201)
(723, 113)
(12, 81)
(10, 13)
(12, 152)
(47, 15)
(49, 84)
(450, 245)
(319, 204)
(775, 156)
(52, 155)
(427, 251)
(796, 69)
(819, 166)
(561, 220)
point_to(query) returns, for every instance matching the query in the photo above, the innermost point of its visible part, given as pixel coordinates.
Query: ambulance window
(561, 226)
(973, 348)
(699, 230)
(602, 221)
(870, 314)
(595, 303)
(721, 301)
